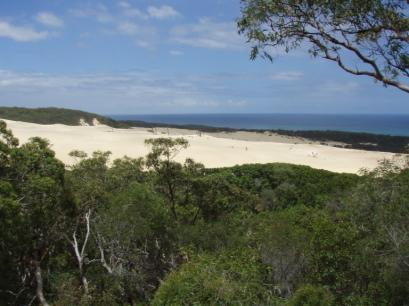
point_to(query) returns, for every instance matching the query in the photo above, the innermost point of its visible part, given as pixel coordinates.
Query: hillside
(53, 115)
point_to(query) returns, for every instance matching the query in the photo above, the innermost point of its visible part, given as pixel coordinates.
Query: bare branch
(39, 289)
(80, 255)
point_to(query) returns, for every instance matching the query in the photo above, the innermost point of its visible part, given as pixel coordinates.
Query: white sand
(209, 150)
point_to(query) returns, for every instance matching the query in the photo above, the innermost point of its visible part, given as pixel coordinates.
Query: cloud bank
(49, 19)
(21, 33)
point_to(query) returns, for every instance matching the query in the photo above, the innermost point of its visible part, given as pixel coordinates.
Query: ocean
(376, 124)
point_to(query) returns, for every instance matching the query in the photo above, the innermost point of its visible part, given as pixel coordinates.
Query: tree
(118, 236)
(169, 172)
(87, 180)
(33, 207)
(134, 241)
(373, 33)
(378, 209)
(282, 244)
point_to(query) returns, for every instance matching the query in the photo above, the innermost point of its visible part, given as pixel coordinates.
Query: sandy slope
(211, 151)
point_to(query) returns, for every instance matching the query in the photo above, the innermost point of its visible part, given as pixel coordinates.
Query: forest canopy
(152, 231)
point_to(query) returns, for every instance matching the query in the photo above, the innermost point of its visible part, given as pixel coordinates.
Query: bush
(227, 279)
(309, 295)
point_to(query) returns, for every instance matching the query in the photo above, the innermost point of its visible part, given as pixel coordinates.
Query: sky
(164, 57)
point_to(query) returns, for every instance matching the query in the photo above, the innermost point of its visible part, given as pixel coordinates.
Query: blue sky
(180, 56)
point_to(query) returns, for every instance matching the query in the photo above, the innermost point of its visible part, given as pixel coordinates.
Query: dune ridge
(213, 151)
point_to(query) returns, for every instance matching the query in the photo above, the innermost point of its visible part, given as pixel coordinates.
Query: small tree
(169, 172)
(309, 295)
(88, 180)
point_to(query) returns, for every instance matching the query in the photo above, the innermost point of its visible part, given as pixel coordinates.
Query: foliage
(378, 209)
(282, 185)
(231, 278)
(282, 242)
(155, 231)
(311, 296)
(361, 141)
(373, 33)
(33, 197)
(52, 115)
(134, 235)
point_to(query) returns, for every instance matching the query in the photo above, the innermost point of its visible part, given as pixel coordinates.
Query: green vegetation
(363, 37)
(363, 141)
(152, 231)
(52, 115)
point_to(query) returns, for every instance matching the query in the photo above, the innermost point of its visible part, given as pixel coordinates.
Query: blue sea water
(378, 124)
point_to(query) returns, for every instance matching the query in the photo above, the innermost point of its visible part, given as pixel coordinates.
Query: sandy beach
(218, 150)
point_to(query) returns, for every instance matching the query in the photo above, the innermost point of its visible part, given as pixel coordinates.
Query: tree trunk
(80, 254)
(84, 282)
(39, 281)
(172, 199)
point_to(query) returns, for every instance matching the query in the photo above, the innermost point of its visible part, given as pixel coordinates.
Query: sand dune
(210, 150)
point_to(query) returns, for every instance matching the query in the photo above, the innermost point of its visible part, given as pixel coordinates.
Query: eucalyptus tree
(34, 208)
(119, 237)
(379, 210)
(363, 37)
(168, 171)
(134, 241)
(87, 180)
(178, 182)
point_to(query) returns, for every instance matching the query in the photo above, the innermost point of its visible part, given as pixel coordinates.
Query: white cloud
(287, 76)
(145, 44)
(150, 92)
(134, 12)
(144, 36)
(21, 33)
(49, 19)
(131, 11)
(124, 4)
(339, 87)
(162, 12)
(176, 52)
(128, 28)
(237, 103)
(137, 91)
(207, 33)
(335, 88)
(99, 12)
(124, 10)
